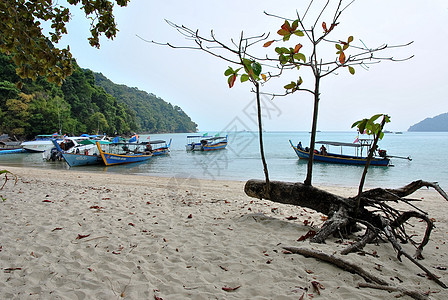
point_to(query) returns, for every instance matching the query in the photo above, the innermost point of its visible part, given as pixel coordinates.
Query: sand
(66, 234)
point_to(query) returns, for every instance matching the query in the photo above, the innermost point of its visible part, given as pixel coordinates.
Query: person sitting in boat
(323, 150)
(299, 146)
(149, 147)
(382, 153)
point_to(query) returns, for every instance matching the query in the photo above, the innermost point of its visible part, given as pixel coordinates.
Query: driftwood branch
(341, 263)
(413, 294)
(391, 237)
(355, 269)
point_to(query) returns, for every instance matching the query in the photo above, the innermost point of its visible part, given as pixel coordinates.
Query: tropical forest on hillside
(86, 102)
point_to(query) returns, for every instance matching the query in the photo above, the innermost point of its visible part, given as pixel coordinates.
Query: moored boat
(207, 143)
(194, 142)
(158, 147)
(9, 146)
(123, 153)
(41, 142)
(12, 151)
(330, 157)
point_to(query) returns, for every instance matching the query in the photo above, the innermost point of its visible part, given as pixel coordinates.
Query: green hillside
(152, 113)
(80, 105)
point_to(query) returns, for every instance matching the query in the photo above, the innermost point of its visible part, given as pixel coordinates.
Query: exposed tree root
(378, 283)
(343, 264)
(380, 219)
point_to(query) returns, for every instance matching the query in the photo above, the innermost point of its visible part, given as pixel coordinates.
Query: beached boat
(74, 160)
(361, 149)
(83, 144)
(82, 158)
(207, 143)
(41, 143)
(158, 147)
(123, 153)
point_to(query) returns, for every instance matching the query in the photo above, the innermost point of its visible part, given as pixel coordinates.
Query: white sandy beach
(77, 235)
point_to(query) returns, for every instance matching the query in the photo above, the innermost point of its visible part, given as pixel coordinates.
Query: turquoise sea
(241, 160)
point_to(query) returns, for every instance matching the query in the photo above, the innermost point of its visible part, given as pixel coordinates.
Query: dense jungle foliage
(80, 105)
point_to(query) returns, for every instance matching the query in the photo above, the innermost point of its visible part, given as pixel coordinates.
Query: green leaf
(283, 60)
(300, 56)
(295, 24)
(356, 123)
(375, 117)
(247, 62)
(286, 37)
(362, 125)
(299, 33)
(244, 77)
(338, 47)
(229, 71)
(290, 86)
(256, 67)
(351, 70)
(350, 39)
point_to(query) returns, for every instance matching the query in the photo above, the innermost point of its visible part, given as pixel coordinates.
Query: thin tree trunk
(369, 159)
(309, 174)
(260, 133)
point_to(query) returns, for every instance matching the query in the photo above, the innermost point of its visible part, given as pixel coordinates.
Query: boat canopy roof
(214, 138)
(356, 145)
(157, 142)
(93, 142)
(196, 136)
(208, 138)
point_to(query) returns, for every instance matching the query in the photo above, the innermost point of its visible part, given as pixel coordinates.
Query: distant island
(437, 123)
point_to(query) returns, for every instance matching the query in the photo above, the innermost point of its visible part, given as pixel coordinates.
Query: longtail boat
(123, 153)
(207, 143)
(359, 158)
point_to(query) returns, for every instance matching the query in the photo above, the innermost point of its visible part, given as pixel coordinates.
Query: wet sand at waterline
(83, 235)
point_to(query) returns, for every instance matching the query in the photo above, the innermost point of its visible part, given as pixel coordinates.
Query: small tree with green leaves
(245, 66)
(297, 56)
(369, 127)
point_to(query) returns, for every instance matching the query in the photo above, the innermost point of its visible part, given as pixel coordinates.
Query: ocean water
(241, 160)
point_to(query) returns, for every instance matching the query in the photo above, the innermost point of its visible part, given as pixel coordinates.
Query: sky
(408, 91)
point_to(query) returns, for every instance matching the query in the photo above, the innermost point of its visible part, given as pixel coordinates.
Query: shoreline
(182, 176)
(87, 235)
